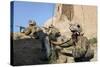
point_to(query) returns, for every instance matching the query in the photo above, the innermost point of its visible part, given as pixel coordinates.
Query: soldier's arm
(27, 31)
(67, 43)
(56, 42)
(32, 32)
(60, 43)
(70, 42)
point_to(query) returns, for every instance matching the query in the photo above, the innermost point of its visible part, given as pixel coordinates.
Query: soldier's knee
(89, 54)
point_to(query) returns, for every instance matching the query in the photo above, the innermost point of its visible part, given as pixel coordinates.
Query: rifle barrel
(20, 26)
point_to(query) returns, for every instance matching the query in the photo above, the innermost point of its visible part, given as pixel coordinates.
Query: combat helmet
(75, 27)
(32, 22)
(51, 26)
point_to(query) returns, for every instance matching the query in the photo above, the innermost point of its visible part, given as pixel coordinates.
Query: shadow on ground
(27, 52)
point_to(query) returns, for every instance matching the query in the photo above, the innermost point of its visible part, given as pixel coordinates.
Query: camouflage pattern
(60, 57)
(53, 31)
(52, 37)
(82, 48)
(31, 29)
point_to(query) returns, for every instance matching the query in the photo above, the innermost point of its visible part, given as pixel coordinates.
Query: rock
(26, 50)
(86, 16)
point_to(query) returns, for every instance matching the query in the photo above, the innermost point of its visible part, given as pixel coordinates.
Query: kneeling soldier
(82, 48)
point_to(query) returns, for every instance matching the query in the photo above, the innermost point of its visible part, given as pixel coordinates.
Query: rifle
(20, 27)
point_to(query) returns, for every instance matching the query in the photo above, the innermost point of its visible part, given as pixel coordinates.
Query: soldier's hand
(31, 35)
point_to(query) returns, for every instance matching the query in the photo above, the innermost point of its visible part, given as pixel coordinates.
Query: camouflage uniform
(53, 32)
(82, 48)
(62, 58)
(52, 37)
(56, 40)
(31, 29)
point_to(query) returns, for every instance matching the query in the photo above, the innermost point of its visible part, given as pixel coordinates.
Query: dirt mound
(26, 50)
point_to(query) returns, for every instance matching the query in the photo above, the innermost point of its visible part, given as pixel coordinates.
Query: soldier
(31, 29)
(56, 40)
(52, 31)
(42, 37)
(61, 41)
(82, 48)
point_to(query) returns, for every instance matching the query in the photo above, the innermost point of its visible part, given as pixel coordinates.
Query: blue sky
(24, 11)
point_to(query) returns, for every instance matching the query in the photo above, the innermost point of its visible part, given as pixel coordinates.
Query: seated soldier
(82, 48)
